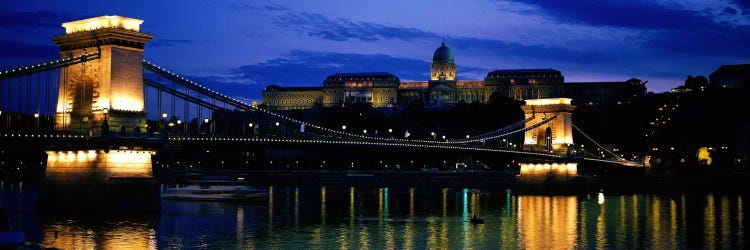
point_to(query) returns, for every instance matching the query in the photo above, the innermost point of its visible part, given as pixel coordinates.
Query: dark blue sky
(240, 47)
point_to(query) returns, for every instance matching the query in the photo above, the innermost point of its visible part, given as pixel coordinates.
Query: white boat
(214, 193)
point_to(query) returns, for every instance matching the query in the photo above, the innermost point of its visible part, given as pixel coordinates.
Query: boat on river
(214, 193)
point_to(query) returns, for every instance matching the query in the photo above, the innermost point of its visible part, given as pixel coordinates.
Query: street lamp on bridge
(163, 121)
(36, 120)
(179, 127)
(205, 123)
(252, 128)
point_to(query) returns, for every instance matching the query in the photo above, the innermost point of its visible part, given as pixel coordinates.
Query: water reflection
(118, 235)
(412, 218)
(547, 222)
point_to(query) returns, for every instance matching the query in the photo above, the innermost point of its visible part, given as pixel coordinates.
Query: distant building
(381, 89)
(521, 84)
(731, 76)
(289, 98)
(600, 93)
(376, 88)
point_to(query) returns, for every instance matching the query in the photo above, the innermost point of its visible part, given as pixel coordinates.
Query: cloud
(671, 28)
(169, 42)
(308, 68)
(723, 12)
(31, 21)
(250, 7)
(227, 79)
(631, 14)
(341, 30)
(522, 27)
(317, 25)
(18, 50)
(502, 50)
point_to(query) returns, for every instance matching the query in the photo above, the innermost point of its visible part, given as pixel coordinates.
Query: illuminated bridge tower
(108, 87)
(555, 135)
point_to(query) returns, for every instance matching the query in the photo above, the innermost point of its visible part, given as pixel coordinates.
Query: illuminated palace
(382, 89)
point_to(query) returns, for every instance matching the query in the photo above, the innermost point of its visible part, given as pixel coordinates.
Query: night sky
(240, 47)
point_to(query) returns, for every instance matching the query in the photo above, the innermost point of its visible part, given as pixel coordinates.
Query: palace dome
(443, 54)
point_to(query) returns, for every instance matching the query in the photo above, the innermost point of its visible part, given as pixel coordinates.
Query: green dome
(443, 54)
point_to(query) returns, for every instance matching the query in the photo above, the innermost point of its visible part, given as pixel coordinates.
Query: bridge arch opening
(556, 135)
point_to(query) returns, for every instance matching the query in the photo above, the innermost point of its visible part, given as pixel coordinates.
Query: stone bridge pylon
(555, 135)
(108, 85)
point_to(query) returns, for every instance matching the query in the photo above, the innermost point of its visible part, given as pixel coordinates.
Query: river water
(413, 218)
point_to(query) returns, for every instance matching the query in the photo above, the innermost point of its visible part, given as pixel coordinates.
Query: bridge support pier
(550, 178)
(115, 180)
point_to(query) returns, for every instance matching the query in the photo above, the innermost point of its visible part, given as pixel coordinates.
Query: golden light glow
(70, 165)
(547, 222)
(548, 101)
(127, 236)
(126, 103)
(704, 156)
(102, 22)
(560, 128)
(542, 171)
(358, 84)
(470, 84)
(413, 85)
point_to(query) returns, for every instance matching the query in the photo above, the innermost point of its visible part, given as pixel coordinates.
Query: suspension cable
(597, 144)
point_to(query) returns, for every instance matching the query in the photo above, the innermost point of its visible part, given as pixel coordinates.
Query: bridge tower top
(108, 85)
(555, 135)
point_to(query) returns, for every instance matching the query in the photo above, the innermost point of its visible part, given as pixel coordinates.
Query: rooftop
(547, 101)
(362, 74)
(517, 71)
(102, 22)
(736, 69)
(278, 88)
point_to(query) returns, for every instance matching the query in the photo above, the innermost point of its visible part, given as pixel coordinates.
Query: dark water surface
(416, 218)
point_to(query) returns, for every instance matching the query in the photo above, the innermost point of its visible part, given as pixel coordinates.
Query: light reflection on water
(418, 218)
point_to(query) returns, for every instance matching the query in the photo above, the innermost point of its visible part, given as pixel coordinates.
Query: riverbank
(621, 184)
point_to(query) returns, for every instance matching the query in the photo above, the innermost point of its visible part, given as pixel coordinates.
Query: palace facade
(382, 89)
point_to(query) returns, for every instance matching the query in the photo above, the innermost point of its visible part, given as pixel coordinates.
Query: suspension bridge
(101, 97)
